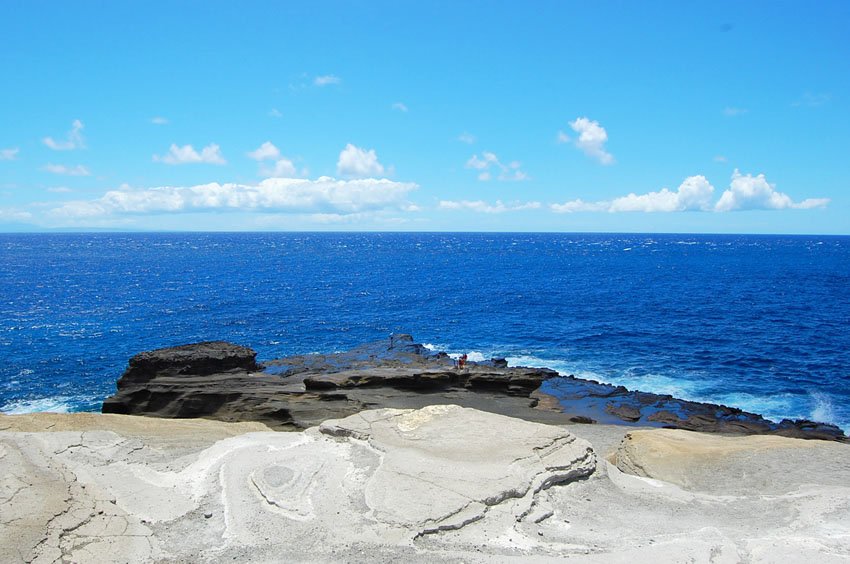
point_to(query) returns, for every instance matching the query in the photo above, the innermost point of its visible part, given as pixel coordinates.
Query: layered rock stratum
(223, 381)
(442, 483)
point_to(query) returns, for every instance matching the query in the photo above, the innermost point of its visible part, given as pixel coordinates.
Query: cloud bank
(284, 195)
(481, 206)
(745, 192)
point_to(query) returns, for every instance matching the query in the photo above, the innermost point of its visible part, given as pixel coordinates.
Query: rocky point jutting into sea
(397, 455)
(223, 381)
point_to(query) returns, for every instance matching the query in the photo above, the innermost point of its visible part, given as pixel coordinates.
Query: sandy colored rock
(731, 464)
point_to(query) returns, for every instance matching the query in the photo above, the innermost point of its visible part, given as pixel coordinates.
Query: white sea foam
(774, 407)
(58, 404)
(472, 356)
(822, 409)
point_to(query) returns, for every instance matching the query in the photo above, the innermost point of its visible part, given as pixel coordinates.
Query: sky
(686, 117)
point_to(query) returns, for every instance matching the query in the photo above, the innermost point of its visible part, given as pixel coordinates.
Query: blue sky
(461, 116)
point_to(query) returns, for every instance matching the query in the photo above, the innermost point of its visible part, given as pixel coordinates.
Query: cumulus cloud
(466, 137)
(211, 154)
(159, 120)
(695, 194)
(74, 139)
(283, 167)
(266, 151)
(327, 79)
(747, 192)
(9, 154)
(481, 206)
(78, 170)
(400, 107)
(355, 162)
(285, 195)
(591, 139)
(488, 163)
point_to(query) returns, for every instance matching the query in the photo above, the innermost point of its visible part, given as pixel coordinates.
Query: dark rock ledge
(219, 380)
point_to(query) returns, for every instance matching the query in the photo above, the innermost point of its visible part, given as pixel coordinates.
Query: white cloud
(720, 159)
(747, 192)
(266, 151)
(326, 80)
(286, 195)
(562, 137)
(59, 190)
(488, 163)
(275, 113)
(159, 120)
(12, 214)
(400, 107)
(591, 139)
(579, 205)
(695, 194)
(78, 170)
(484, 207)
(466, 137)
(356, 162)
(729, 111)
(74, 140)
(9, 154)
(211, 154)
(283, 168)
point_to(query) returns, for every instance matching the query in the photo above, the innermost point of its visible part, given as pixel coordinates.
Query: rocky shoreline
(223, 381)
(438, 480)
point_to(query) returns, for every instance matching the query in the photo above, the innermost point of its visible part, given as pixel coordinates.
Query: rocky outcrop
(726, 465)
(377, 479)
(223, 381)
(605, 403)
(199, 359)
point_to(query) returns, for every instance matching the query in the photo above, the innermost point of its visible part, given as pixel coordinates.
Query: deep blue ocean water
(757, 322)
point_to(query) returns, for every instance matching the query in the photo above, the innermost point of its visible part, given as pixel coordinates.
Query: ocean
(755, 322)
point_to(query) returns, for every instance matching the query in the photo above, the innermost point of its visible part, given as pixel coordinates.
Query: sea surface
(756, 322)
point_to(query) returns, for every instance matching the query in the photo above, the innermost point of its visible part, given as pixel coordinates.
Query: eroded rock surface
(302, 391)
(222, 381)
(383, 477)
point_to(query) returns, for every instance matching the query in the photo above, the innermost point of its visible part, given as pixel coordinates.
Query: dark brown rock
(220, 380)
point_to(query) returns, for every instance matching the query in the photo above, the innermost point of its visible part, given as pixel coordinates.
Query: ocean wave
(58, 404)
(816, 406)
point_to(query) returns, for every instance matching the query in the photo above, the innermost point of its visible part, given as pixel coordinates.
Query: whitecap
(58, 404)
